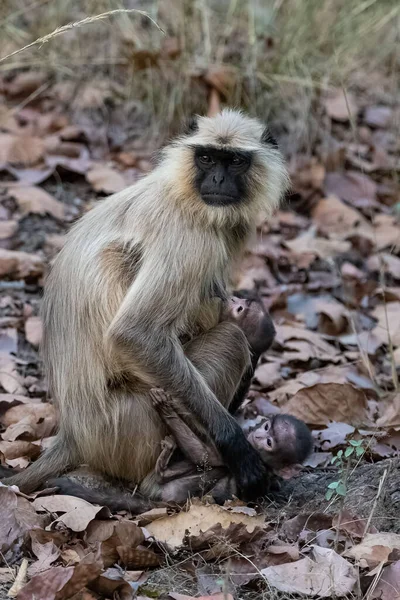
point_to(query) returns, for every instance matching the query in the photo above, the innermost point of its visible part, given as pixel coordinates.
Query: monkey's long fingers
(161, 400)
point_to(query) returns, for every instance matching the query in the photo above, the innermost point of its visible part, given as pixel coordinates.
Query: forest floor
(326, 266)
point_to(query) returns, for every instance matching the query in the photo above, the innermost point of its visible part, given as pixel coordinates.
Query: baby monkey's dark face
(221, 175)
(283, 443)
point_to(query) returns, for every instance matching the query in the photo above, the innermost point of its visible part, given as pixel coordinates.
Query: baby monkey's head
(283, 442)
(255, 322)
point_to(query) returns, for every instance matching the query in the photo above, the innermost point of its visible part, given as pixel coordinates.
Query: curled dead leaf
(21, 149)
(34, 330)
(20, 265)
(77, 513)
(34, 200)
(106, 179)
(375, 548)
(18, 517)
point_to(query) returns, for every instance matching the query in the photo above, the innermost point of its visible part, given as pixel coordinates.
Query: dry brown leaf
(23, 150)
(84, 573)
(386, 232)
(47, 585)
(34, 200)
(10, 379)
(34, 330)
(384, 262)
(37, 412)
(311, 344)
(366, 341)
(326, 575)
(13, 450)
(341, 106)
(390, 416)
(333, 316)
(9, 400)
(335, 219)
(45, 553)
(173, 530)
(308, 242)
(20, 265)
(388, 587)
(324, 402)
(375, 548)
(106, 179)
(351, 186)
(345, 521)
(334, 435)
(388, 315)
(18, 517)
(77, 513)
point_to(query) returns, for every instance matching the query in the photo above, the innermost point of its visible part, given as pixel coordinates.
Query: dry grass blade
(86, 21)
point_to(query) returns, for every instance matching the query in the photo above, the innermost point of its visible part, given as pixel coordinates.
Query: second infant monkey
(282, 441)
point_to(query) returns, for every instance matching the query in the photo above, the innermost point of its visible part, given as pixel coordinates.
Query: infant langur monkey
(190, 463)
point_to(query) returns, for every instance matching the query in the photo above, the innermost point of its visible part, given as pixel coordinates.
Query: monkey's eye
(237, 161)
(206, 159)
(267, 425)
(269, 442)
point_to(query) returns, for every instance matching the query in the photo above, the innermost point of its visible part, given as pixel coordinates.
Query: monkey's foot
(161, 400)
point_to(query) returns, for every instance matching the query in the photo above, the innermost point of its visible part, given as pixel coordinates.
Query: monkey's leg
(194, 449)
(199, 483)
(112, 496)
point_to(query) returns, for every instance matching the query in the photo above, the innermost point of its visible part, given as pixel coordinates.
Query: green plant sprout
(343, 459)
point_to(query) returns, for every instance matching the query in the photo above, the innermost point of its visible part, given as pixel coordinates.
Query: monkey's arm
(193, 448)
(143, 336)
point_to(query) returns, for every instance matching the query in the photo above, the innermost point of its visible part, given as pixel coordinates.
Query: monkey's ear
(192, 126)
(268, 139)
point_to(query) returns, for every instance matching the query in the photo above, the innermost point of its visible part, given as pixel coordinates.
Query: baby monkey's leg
(197, 451)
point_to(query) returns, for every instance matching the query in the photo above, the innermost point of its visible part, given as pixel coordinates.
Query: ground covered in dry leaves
(327, 267)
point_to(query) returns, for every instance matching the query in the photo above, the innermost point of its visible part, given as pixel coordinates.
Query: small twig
(380, 488)
(64, 28)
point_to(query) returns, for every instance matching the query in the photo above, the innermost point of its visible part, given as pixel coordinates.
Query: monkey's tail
(53, 462)
(114, 499)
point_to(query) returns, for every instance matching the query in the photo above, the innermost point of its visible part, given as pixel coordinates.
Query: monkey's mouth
(220, 199)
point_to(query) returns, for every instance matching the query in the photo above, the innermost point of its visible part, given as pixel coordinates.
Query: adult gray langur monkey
(130, 305)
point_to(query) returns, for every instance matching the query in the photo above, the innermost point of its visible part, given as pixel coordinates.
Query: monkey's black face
(221, 175)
